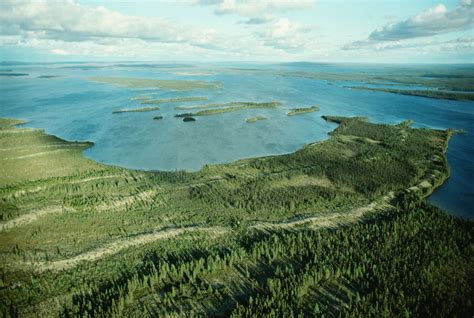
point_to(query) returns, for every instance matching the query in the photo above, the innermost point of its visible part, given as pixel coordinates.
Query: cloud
(70, 22)
(284, 34)
(434, 21)
(416, 46)
(258, 20)
(60, 52)
(64, 27)
(252, 8)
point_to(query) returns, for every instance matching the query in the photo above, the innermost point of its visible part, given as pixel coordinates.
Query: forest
(339, 228)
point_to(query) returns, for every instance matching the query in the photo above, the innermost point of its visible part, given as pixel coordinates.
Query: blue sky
(396, 31)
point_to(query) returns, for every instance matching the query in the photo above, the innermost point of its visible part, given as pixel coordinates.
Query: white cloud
(252, 8)
(417, 47)
(67, 21)
(64, 27)
(285, 34)
(258, 20)
(60, 52)
(436, 20)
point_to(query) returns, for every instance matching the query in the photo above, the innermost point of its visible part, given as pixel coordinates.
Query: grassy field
(30, 154)
(338, 227)
(133, 82)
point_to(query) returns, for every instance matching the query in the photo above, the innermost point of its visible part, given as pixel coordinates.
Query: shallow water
(76, 109)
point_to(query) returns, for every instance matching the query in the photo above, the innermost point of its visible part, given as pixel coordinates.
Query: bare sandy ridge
(33, 216)
(328, 221)
(30, 217)
(140, 196)
(315, 222)
(50, 145)
(117, 246)
(36, 154)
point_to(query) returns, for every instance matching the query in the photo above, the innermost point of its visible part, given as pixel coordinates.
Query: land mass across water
(422, 93)
(134, 82)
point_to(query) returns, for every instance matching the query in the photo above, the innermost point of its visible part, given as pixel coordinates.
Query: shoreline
(438, 179)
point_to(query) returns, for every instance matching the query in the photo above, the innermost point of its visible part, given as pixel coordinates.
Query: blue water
(74, 108)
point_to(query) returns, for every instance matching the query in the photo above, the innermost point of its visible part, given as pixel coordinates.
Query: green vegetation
(304, 110)
(441, 81)
(339, 228)
(450, 79)
(172, 100)
(140, 97)
(132, 82)
(421, 93)
(136, 110)
(231, 104)
(13, 74)
(255, 119)
(49, 76)
(29, 154)
(236, 107)
(158, 117)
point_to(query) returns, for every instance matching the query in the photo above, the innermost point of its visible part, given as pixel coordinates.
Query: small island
(189, 119)
(13, 74)
(171, 100)
(255, 119)
(49, 76)
(236, 107)
(231, 104)
(157, 117)
(304, 110)
(136, 110)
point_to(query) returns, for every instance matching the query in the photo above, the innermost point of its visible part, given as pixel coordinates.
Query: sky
(375, 31)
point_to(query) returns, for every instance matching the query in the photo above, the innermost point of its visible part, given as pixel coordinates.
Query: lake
(74, 108)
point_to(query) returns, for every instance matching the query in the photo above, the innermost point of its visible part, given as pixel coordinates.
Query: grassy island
(133, 82)
(13, 74)
(136, 110)
(304, 110)
(157, 117)
(49, 76)
(233, 108)
(255, 119)
(339, 227)
(231, 104)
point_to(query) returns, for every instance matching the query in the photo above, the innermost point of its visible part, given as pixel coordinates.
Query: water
(76, 109)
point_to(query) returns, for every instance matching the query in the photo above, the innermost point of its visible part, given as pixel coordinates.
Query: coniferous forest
(339, 228)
